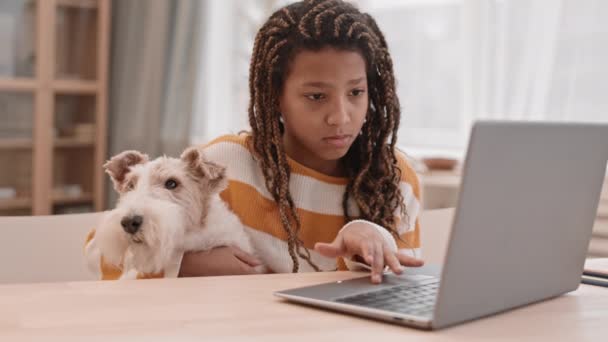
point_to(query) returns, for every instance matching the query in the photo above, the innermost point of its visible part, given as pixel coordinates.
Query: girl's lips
(338, 141)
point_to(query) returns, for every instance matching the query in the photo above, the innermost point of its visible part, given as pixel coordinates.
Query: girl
(318, 181)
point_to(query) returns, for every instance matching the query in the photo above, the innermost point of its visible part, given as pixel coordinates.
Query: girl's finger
(330, 250)
(378, 263)
(406, 260)
(392, 261)
(245, 257)
(367, 252)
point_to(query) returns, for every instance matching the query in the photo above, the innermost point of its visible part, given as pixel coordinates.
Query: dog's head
(159, 201)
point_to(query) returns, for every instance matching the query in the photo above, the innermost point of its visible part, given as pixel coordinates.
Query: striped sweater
(318, 200)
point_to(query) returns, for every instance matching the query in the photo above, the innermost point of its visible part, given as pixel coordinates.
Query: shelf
(66, 199)
(598, 247)
(87, 4)
(25, 143)
(441, 179)
(75, 87)
(26, 203)
(602, 209)
(15, 143)
(15, 203)
(17, 84)
(73, 142)
(600, 228)
(60, 86)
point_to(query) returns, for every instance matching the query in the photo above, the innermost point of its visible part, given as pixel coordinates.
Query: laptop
(520, 234)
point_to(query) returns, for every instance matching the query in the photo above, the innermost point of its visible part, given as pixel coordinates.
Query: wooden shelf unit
(68, 87)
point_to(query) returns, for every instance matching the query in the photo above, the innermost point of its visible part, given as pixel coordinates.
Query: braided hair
(370, 163)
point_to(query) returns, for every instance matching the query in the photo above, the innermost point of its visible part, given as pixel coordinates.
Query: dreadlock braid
(371, 162)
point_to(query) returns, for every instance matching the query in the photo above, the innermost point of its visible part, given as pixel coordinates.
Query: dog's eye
(171, 184)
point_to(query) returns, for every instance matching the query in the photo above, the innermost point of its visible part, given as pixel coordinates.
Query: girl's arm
(218, 261)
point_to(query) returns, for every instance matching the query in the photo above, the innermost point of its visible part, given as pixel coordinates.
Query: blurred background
(81, 80)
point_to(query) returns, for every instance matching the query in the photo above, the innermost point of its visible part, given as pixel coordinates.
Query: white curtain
(153, 69)
(460, 60)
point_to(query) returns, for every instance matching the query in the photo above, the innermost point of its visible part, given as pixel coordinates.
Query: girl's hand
(364, 241)
(218, 261)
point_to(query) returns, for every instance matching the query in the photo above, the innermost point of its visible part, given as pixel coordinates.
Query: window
(455, 61)
(460, 60)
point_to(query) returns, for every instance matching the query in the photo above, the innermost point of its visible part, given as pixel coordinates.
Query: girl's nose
(339, 114)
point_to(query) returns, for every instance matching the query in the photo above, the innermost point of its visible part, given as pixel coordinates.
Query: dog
(166, 207)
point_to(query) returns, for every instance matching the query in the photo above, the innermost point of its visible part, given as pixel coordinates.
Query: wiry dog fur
(180, 209)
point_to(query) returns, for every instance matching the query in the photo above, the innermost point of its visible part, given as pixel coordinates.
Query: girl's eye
(130, 186)
(357, 92)
(170, 184)
(315, 97)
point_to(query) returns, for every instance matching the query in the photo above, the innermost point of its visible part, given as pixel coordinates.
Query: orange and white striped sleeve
(95, 262)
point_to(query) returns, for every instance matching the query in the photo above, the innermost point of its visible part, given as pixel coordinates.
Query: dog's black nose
(131, 224)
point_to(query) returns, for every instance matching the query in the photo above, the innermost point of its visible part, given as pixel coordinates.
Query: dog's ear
(198, 165)
(119, 165)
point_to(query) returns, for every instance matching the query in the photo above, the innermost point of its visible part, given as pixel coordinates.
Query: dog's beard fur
(154, 245)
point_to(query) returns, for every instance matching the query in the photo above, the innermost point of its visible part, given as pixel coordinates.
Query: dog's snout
(131, 224)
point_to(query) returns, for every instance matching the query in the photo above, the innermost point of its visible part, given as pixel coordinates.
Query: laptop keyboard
(414, 298)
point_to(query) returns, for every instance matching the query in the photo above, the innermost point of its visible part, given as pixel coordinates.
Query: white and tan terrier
(167, 206)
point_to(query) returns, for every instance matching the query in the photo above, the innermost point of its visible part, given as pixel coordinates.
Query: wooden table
(243, 308)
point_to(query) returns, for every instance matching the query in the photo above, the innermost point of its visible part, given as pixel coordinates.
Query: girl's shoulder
(227, 149)
(243, 139)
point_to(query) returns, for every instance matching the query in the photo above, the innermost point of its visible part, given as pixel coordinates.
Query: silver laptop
(527, 205)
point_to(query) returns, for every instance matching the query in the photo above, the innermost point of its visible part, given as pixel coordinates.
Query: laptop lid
(525, 214)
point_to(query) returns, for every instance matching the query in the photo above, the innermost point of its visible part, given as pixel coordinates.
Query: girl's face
(323, 105)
